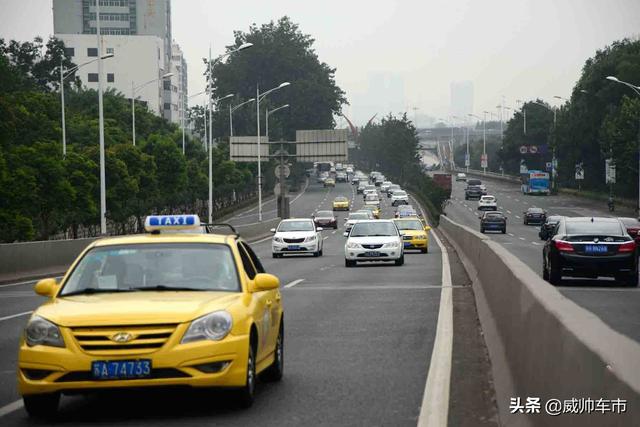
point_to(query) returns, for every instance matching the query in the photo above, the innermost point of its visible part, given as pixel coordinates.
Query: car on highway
(325, 219)
(632, 225)
(493, 221)
(296, 236)
(472, 192)
(385, 186)
(369, 189)
(355, 180)
(372, 199)
(322, 177)
(340, 203)
(361, 188)
(377, 240)
(341, 177)
(534, 216)
(155, 309)
(590, 247)
(404, 211)
(375, 210)
(399, 197)
(548, 226)
(415, 234)
(391, 189)
(368, 212)
(461, 177)
(488, 203)
(329, 182)
(356, 217)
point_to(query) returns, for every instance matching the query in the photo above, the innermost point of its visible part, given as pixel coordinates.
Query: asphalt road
(615, 305)
(358, 346)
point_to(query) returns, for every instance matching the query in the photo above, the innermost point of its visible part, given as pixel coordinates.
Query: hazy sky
(416, 48)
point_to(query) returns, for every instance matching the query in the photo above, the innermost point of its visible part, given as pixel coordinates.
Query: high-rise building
(138, 33)
(177, 86)
(461, 98)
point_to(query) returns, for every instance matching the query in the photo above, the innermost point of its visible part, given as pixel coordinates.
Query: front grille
(372, 246)
(145, 338)
(76, 376)
(294, 240)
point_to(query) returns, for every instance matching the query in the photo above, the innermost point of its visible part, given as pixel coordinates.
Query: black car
(325, 219)
(493, 221)
(534, 216)
(590, 247)
(549, 224)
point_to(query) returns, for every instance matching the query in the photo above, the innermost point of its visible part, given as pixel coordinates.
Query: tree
(281, 52)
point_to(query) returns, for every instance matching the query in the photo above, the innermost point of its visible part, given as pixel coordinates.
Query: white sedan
(488, 203)
(399, 197)
(377, 240)
(296, 236)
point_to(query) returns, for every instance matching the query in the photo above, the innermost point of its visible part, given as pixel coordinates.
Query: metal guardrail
(487, 174)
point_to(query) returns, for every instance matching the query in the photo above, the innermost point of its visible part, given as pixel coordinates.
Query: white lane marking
(511, 234)
(536, 243)
(28, 282)
(521, 238)
(15, 315)
(434, 410)
(325, 237)
(262, 240)
(518, 216)
(292, 284)
(334, 232)
(508, 211)
(11, 407)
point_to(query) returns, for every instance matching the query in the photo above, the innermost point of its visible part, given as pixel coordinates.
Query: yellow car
(175, 307)
(375, 210)
(329, 182)
(415, 234)
(340, 203)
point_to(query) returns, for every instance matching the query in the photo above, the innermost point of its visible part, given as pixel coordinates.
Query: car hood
(134, 307)
(372, 240)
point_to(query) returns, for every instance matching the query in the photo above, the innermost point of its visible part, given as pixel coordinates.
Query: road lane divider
(13, 316)
(11, 407)
(292, 284)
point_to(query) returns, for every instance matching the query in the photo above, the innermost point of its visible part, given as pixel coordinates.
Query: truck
(443, 180)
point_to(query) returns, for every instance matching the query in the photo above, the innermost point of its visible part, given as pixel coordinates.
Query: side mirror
(427, 228)
(273, 230)
(265, 282)
(46, 287)
(345, 234)
(319, 229)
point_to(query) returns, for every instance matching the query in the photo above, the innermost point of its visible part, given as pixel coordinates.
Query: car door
(272, 308)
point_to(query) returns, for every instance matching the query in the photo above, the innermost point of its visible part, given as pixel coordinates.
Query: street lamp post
(524, 115)
(183, 120)
(103, 192)
(234, 108)
(64, 74)
(555, 136)
(259, 97)
(212, 102)
(268, 113)
(636, 89)
(134, 89)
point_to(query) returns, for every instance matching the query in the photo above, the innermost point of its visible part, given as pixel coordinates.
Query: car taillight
(564, 246)
(632, 231)
(627, 247)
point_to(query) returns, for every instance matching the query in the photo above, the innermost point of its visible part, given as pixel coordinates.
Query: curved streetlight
(269, 112)
(231, 111)
(63, 76)
(259, 97)
(134, 89)
(214, 101)
(561, 98)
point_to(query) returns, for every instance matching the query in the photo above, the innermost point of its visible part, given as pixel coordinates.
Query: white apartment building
(175, 89)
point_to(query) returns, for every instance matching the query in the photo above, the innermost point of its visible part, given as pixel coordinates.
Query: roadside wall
(542, 344)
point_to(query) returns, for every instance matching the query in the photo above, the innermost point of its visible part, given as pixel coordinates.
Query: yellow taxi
(340, 203)
(375, 210)
(329, 182)
(415, 234)
(177, 306)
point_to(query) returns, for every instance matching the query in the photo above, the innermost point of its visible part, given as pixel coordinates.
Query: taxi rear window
(149, 267)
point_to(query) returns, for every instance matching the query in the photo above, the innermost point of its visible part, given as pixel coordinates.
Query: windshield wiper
(166, 288)
(91, 291)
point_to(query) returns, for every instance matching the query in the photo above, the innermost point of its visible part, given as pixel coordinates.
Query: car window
(201, 267)
(373, 229)
(254, 258)
(296, 226)
(324, 214)
(249, 268)
(409, 225)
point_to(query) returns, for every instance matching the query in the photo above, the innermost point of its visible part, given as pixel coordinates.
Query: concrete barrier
(542, 344)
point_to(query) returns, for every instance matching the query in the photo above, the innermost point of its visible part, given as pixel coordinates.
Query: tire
(630, 280)
(335, 227)
(424, 250)
(482, 230)
(555, 276)
(545, 273)
(349, 263)
(321, 252)
(316, 254)
(246, 394)
(400, 261)
(43, 406)
(504, 231)
(276, 255)
(525, 222)
(275, 371)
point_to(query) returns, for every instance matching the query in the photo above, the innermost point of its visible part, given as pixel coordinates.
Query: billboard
(322, 145)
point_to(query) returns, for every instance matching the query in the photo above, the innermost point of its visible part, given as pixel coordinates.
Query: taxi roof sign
(171, 222)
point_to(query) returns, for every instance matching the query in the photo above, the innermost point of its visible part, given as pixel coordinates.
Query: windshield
(535, 210)
(167, 266)
(372, 197)
(373, 229)
(409, 225)
(358, 216)
(324, 214)
(340, 199)
(474, 182)
(399, 193)
(303, 225)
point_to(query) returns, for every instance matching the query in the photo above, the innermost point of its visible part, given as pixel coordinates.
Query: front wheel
(349, 263)
(482, 230)
(424, 250)
(504, 231)
(44, 406)
(246, 395)
(400, 261)
(276, 370)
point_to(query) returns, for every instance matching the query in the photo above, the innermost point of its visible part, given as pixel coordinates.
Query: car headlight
(310, 238)
(213, 326)
(353, 245)
(390, 245)
(40, 331)
(421, 236)
(277, 240)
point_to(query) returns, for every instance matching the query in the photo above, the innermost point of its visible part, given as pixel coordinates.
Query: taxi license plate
(293, 247)
(120, 369)
(372, 253)
(407, 244)
(595, 249)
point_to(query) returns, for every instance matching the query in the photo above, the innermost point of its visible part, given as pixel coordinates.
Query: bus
(535, 182)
